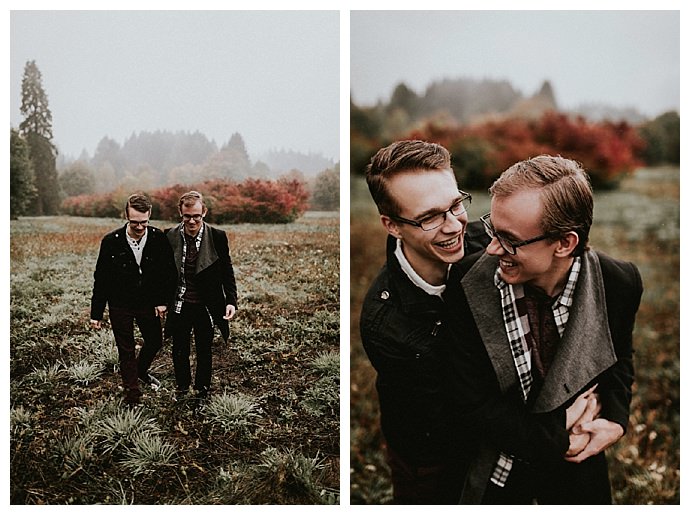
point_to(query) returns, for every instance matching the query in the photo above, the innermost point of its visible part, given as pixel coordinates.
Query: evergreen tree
(38, 131)
(22, 188)
(77, 179)
(237, 158)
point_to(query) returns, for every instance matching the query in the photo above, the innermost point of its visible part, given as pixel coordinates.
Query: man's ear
(391, 226)
(567, 244)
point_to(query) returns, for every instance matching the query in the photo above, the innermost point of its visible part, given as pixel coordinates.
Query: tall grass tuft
(148, 453)
(20, 421)
(84, 372)
(323, 395)
(233, 412)
(327, 363)
(47, 375)
(123, 428)
(77, 452)
(279, 477)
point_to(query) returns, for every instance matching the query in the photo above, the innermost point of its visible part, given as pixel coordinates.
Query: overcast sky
(619, 58)
(271, 76)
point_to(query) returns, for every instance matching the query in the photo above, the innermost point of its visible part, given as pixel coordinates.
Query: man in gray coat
(542, 322)
(206, 294)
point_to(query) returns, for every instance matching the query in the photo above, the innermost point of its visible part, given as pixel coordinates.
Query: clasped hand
(589, 435)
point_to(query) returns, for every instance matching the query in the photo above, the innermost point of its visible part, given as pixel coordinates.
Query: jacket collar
(412, 298)
(585, 350)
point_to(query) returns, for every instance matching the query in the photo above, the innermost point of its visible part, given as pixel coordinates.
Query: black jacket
(214, 274)
(402, 333)
(117, 280)
(596, 347)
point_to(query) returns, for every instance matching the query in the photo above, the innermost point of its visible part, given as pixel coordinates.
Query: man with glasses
(425, 215)
(206, 294)
(543, 362)
(135, 277)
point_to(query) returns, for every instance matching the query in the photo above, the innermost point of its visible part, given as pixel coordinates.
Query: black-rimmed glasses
(507, 245)
(196, 218)
(136, 223)
(436, 220)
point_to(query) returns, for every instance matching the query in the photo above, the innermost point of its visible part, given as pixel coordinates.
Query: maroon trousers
(133, 367)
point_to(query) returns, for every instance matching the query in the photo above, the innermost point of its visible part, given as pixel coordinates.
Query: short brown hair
(139, 202)
(190, 198)
(399, 157)
(566, 194)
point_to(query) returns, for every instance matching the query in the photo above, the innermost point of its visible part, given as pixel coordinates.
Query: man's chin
(451, 257)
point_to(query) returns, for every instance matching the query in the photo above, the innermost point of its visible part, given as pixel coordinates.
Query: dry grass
(288, 282)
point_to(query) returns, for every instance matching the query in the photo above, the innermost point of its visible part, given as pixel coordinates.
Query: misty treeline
(42, 182)
(162, 158)
(488, 125)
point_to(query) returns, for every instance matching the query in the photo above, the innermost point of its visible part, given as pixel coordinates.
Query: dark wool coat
(214, 274)
(596, 347)
(117, 280)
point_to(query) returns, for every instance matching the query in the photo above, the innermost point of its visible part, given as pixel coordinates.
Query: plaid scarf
(518, 330)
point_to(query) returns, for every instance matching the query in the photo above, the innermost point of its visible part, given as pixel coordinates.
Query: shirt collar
(414, 276)
(140, 242)
(197, 238)
(566, 297)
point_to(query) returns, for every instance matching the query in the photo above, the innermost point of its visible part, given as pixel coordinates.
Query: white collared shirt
(414, 276)
(137, 246)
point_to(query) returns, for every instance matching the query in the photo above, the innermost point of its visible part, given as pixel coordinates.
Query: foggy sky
(271, 76)
(619, 58)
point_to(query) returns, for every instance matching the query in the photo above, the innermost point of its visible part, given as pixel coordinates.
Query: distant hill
(467, 101)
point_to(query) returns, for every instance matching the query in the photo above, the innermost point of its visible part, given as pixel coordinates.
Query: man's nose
(494, 248)
(453, 224)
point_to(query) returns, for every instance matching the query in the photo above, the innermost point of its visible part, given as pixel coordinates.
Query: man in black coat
(135, 276)
(420, 206)
(206, 294)
(541, 322)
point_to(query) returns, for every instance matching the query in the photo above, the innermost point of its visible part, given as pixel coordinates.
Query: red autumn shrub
(250, 201)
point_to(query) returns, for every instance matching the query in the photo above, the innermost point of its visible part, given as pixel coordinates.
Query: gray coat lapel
(586, 348)
(175, 239)
(484, 300)
(207, 251)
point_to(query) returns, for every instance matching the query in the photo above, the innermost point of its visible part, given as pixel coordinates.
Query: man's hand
(579, 440)
(576, 412)
(577, 443)
(602, 434)
(160, 311)
(95, 324)
(229, 311)
(585, 409)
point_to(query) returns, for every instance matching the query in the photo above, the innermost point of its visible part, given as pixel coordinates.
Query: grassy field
(638, 222)
(270, 434)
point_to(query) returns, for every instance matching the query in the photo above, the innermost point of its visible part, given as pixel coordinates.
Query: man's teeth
(449, 243)
(506, 264)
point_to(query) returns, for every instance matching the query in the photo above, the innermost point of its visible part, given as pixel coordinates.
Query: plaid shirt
(517, 329)
(181, 285)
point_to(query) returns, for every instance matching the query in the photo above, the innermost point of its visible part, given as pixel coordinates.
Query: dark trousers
(192, 317)
(133, 367)
(425, 484)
